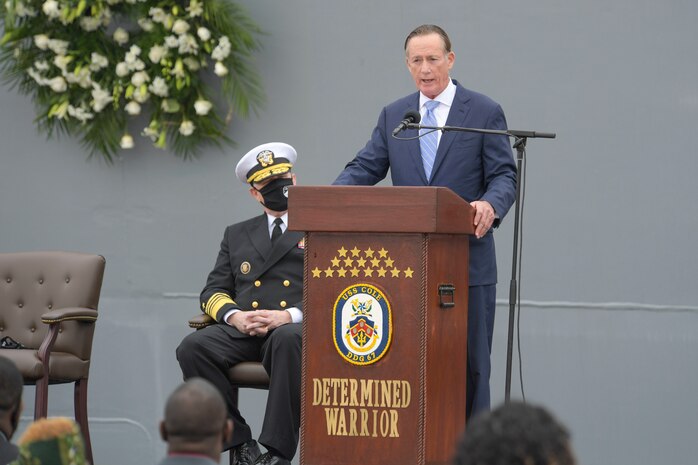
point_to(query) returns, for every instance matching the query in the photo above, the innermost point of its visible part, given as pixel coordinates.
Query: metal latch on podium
(446, 295)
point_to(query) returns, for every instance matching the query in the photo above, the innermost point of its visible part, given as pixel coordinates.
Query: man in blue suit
(479, 168)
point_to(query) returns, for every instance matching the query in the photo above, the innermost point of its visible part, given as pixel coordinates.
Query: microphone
(410, 117)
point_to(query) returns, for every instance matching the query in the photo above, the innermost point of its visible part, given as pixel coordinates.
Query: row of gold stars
(368, 253)
(368, 272)
(361, 262)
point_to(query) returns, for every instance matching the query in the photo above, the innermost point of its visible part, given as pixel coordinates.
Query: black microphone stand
(520, 139)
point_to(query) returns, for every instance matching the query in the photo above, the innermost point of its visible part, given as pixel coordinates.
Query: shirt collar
(270, 220)
(446, 97)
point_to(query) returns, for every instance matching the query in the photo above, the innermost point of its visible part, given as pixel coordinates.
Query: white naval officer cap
(264, 161)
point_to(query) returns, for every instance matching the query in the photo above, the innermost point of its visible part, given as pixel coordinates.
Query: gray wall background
(609, 324)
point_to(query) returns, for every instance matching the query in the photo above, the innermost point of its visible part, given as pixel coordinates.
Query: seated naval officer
(255, 293)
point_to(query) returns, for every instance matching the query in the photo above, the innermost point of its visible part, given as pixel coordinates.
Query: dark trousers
(210, 352)
(481, 307)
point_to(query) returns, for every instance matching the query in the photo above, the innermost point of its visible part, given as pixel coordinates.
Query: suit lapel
(259, 236)
(456, 117)
(286, 242)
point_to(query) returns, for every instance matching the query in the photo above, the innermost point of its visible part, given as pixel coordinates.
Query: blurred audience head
(515, 434)
(196, 420)
(11, 385)
(52, 441)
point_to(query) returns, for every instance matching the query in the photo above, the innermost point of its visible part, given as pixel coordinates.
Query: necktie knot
(431, 105)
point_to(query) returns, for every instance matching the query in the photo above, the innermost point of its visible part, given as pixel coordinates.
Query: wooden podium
(384, 323)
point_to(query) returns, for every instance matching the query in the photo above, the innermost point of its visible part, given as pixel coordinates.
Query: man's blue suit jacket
(474, 166)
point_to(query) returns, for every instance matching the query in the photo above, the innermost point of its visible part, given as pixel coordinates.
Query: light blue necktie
(429, 142)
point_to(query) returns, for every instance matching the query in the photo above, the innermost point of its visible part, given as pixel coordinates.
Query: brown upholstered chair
(48, 303)
(242, 375)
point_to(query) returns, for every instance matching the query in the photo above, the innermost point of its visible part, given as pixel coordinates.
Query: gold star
(341, 273)
(342, 252)
(408, 272)
(381, 272)
(329, 272)
(375, 262)
(361, 262)
(348, 262)
(355, 252)
(316, 272)
(335, 261)
(389, 262)
(395, 272)
(383, 253)
(368, 252)
(354, 272)
(368, 272)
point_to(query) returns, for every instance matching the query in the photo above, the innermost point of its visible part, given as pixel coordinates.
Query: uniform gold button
(255, 304)
(287, 283)
(283, 304)
(257, 283)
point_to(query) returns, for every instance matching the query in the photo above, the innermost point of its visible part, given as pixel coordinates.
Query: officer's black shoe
(268, 458)
(246, 453)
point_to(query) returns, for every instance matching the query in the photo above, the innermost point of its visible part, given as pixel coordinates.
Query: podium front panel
(367, 358)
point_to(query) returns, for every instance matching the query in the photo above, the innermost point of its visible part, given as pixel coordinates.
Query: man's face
(429, 63)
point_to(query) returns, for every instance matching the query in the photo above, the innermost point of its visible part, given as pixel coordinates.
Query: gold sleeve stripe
(216, 302)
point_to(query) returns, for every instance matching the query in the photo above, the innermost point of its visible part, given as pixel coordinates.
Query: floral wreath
(92, 65)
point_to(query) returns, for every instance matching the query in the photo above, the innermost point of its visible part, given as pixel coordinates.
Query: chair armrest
(201, 321)
(63, 314)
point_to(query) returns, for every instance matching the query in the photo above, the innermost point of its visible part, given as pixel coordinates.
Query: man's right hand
(258, 322)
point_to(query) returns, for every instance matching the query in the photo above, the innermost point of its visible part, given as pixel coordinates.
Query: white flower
(41, 65)
(90, 23)
(133, 108)
(34, 74)
(192, 63)
(195, 8)
(51, 8)
(186, 128)
(157, 53)
(141, 95)
(120, 36)
(203, 33)
(61, 62)
(126, 142)
(135, 50)
(100, 98)
(23, 11)
(98, 61)
(158, 15)
(220, 69)
(159, 87)
(80, 113)
(81, 78)
(59, 47)
(180, 27)
(41, 41)
(187, 44)
(151, 132)
(145, 24)
(122, 69)
(58, 84)
(106, 17)
(139, 78)
(171, 42)
(222, 50)
(202, 107)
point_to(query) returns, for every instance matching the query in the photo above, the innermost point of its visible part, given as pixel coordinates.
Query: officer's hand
(267, 320)
(244, 322)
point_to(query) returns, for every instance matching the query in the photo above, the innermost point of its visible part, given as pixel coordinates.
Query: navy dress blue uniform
(251, 273)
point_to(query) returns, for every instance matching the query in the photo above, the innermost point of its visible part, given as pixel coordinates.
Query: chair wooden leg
(41, 398)
(81, 415)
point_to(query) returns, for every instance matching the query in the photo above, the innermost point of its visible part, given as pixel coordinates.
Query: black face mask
(276, 194)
